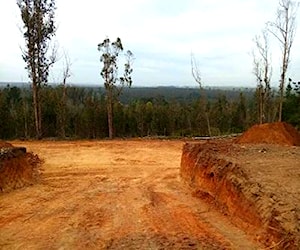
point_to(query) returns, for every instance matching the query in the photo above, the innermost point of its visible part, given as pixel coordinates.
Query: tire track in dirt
(87, 200)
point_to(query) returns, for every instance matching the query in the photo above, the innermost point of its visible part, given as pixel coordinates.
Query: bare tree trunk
(25, 124)
(62, 111)
(66, 75)
(261, 112)
(208, 124)
(281, 89)
(280, 103)
(37, 111)
(261, 105)
(40, 115)
(25, 112)
(262, 71)
(197, 76)
(110, 113)
(63, 115)
(204, 102)
(282, 83)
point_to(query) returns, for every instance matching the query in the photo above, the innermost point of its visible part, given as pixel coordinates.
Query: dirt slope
(258, 185)
(4, 144)
(113, 195)
(18, 168)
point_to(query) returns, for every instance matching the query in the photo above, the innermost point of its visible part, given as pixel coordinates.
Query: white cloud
(161, 34)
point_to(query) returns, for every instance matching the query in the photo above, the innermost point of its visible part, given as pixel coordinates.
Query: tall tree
(63, 101)
(197, 77)
(114, 84)
(283, 28)
(39, 28)
(262, 71)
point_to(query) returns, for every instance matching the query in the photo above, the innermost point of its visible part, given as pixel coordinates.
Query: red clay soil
(113, 194)
(18, 168)
(280, 133)
(258, 189)
(4, 144)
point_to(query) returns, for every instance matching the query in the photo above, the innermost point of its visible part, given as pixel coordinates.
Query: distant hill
(181, 94)
(171, 93)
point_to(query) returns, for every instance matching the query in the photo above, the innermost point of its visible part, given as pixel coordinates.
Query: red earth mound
(280, 133)
(18, 168)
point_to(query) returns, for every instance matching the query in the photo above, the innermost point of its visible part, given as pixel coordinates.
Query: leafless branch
(283, 29)
(262, 71)
(195, 70)
(66, 67)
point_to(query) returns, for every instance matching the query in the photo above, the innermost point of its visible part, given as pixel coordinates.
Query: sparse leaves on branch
(38, 29)
(110, 52)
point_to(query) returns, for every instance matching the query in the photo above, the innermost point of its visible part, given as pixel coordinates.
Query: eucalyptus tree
(38, 30)
(113, 83)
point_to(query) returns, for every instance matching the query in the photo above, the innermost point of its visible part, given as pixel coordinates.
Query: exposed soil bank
(18, 168)
(257, 185)
(117, 194)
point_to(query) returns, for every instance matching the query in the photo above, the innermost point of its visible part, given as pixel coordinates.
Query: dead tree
(283, 28)
(262, 70)
(63, 104)
(197, 77)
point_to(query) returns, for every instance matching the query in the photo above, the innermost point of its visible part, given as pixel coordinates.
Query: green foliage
(38, 29)
(110, 52)
(86, 112)
(114, 84)
(291, 105)
(239, 116)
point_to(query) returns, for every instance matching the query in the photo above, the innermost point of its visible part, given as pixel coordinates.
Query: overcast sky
(161, 34)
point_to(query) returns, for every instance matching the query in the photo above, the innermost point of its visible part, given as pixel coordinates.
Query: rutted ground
(112, 195)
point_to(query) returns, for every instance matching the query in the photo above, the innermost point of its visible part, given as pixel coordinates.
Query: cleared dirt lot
(112, 195)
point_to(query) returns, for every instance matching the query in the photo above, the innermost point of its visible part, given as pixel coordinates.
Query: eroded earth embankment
(256, 185)
(18, 168)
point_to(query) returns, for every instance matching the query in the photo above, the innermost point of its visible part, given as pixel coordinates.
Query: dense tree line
(83, 113)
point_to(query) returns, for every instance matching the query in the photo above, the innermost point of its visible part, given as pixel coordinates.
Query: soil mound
(280, 133)
(18, 168)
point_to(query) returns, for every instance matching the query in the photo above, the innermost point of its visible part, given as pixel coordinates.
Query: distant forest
(80, 112)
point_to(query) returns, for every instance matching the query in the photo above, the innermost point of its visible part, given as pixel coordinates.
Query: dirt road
(112, 195)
